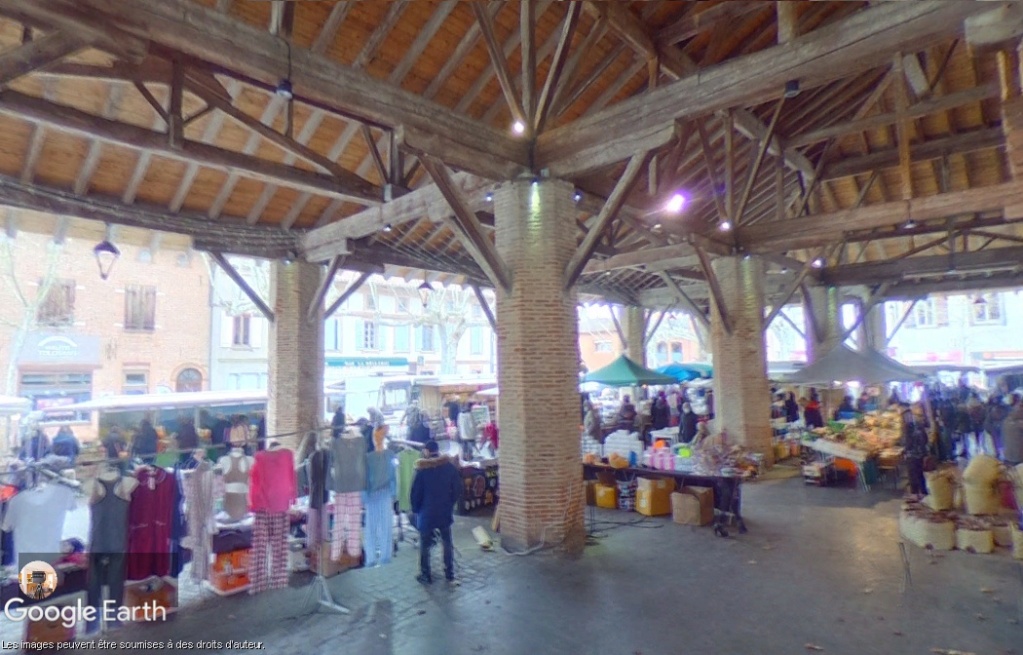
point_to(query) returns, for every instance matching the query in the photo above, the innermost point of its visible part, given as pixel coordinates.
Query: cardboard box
(330, 567)
(653, 502)
(693, 506)
(607, 497)
(661, 485)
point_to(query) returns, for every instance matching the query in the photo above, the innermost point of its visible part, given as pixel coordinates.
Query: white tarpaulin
(843, 364)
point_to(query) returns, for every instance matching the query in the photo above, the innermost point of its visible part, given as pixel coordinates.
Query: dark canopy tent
(843, 364)
(623, 372)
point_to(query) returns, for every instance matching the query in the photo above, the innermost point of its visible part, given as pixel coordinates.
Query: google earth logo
(37, 580)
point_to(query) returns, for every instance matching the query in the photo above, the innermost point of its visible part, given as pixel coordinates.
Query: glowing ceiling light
(818, 263)
(676, 203)
(518, 127)
(725, 226)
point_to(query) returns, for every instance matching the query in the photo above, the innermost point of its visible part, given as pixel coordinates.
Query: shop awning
(62, 351)
(14, 405)
(623, 372)
(687, 372)
(843, 364)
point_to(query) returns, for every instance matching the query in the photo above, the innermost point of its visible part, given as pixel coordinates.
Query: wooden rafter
(715, 289)
(687, 302)
(485, 306)
(557, 67)
(527, 28)
(498, 60)
(38, 54)
(316, 304)
(465, 224)
(88, 167)
(243, 284)
(804, 272)
(754, 170)
(346, 294)
(607, 214)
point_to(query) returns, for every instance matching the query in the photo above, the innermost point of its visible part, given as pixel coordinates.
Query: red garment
(272, 485)
(150, 519)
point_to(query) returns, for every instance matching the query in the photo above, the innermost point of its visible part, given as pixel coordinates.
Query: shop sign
(57, 348)
(1000, 355)
(366, 362)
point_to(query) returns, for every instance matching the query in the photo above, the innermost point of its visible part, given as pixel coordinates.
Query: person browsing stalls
(436, 488)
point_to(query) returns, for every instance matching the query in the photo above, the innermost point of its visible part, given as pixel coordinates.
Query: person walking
(337, 424)
(915, 442)
(660, 413)
(687, 424)
(791, 408)
(436, 488)
(1012, 436)
(65, 444)
(145, 442)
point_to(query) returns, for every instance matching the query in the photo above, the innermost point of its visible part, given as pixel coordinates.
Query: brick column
(742, 395)
(635, 331)
(823, 304)
(296, 352)
(538, 361)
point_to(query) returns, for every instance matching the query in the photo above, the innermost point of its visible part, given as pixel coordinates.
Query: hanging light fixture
(424, 292)
(106, 254)
(284, 88)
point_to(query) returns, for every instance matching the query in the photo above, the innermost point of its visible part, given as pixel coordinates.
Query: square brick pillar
(538, 362)
(742, 394)
(295, 384)
(635, 332)
(822, 307)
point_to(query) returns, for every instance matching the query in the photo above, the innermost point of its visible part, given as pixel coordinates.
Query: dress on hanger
(154, 519)
(379, 501)
(349, 467)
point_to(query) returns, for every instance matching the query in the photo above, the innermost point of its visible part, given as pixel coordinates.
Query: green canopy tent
(623, 372)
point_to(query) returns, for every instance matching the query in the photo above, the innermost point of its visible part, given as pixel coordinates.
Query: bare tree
(25, 315)
(232, 299)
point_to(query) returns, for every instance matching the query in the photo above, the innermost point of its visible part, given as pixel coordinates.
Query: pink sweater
(272, 486)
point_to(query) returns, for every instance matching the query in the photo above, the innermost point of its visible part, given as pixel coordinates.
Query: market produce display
(860, 440)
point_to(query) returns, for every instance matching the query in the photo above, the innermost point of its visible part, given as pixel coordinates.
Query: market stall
(870, 443)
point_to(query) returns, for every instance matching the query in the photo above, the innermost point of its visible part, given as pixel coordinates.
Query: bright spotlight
(676, 203)
(518, 127)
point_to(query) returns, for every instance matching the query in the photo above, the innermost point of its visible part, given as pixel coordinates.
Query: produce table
(727, 488)
(836, 449)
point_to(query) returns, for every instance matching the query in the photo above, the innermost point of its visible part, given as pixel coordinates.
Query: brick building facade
(67, 336)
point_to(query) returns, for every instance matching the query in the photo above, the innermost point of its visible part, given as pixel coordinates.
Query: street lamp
(106, 254)
(424, 292)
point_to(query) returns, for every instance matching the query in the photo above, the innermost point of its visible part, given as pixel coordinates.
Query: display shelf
(223, 594)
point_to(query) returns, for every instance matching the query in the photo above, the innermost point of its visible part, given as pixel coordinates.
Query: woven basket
(941, 491)
(1017, 542)
(975, 541)
(1002, 534)
(937, 534)
(981, 499)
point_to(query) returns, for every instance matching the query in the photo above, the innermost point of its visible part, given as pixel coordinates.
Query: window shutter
(257, 326)
(941, 311)
(360, 335)
(381, 337)
(226, 331)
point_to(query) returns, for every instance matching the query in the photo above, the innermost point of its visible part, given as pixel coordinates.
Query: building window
(140, 307)
(332, 335)
(48, 391)
(402, 305)
(58, 308)
(135, 382)
(986, 309)
(676, 352)
(241, 332)
(426, 343)
(368, 338)
(662, 353)
(602, 346)
(476, 341)
(189, 379)
(401, 340)
(476, 312)
(370, 302)
(923, 315)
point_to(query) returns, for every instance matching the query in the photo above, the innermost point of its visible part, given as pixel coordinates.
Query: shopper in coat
(592, 425)
(791, 408)
(660, 413)
(145, 442)
(436, 488)
(1012, 436)
(337, 424)
(65, 444)
(915, 442)
(688, 423)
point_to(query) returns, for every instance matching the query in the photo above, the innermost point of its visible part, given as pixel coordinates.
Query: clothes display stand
(321, 591)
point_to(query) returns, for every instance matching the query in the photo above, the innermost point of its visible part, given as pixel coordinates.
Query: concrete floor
(819, 567)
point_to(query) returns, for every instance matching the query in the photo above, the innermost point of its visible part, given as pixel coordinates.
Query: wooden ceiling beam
(954, 284)
(37, 54)
(557, 67)
(991, 259)
(607, 214)
(693, 22)
(229, 44)
(847, 47)
(467, 226)
(91, 126)
(243, 284)
(225, 236)
(498, 60)
(982, 139)
(918, 110)
(779, 236)
(74, 19)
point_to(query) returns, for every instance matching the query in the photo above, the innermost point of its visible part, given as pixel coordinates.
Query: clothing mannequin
(349, 468)
(272, 491)
(235, 467)
(109, 499)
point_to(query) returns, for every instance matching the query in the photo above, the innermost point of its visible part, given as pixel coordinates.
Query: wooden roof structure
(857, 143)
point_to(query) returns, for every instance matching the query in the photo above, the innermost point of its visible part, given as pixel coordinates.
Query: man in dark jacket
(436, 488)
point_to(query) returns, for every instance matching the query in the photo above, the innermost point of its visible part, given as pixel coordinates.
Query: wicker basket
(1017, 542)
(975, 541)
(1002, 534)
(934, 533)
(941, 491)
(981, 499)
